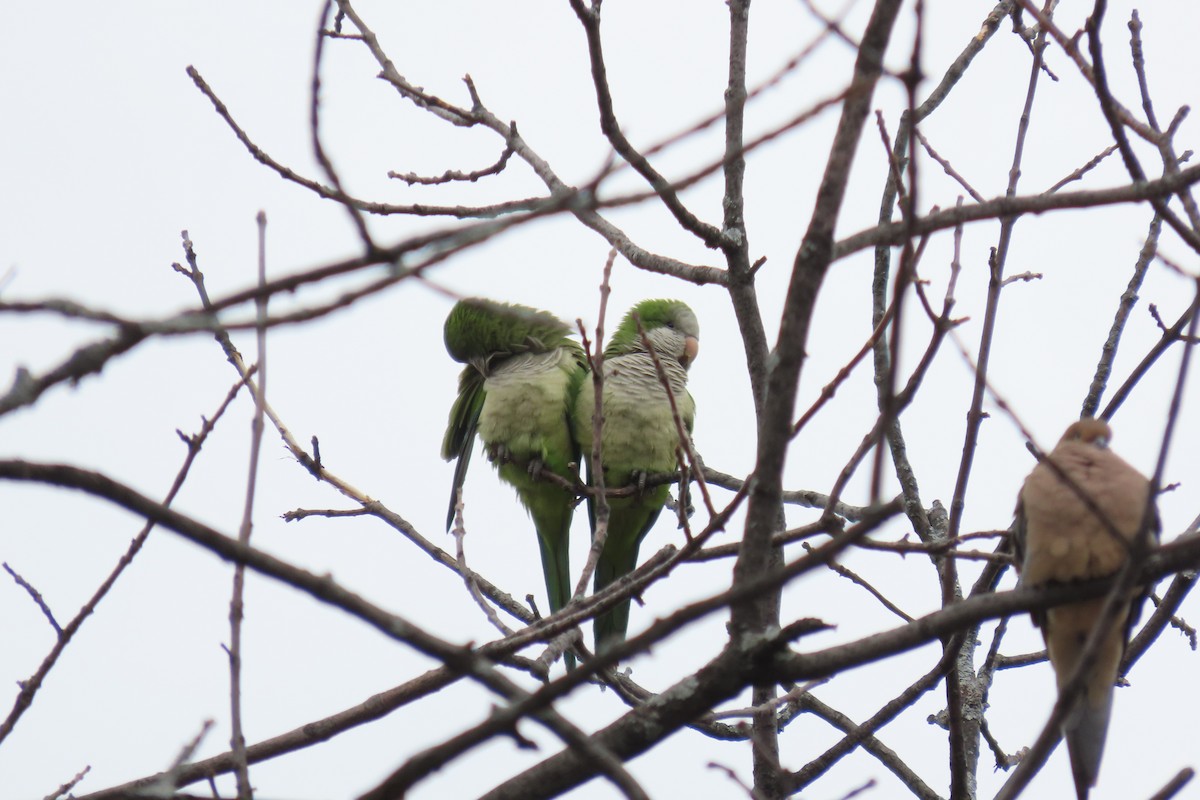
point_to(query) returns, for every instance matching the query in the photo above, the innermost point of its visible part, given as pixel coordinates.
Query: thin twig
(69, 785)
(695, 468)
(236, 603)
(452, 175)
(1086, 168)
(1129, 298)
(864, 735)
(37, 598)
(459, 530)
(599, 506)
(314, 127)
(31, 685)
(590, 19)
(1175, 785)
(948, 168)
(855, 578)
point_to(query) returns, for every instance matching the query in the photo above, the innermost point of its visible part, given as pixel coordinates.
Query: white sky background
(109, 152)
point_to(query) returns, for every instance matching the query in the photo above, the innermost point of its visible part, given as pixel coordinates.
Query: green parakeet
(517, 389)
(639, 436)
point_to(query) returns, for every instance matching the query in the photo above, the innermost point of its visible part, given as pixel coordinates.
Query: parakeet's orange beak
(691, 349)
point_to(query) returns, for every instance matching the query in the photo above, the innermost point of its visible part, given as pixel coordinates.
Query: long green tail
(610, 627)
(554, 540)
(628, 523)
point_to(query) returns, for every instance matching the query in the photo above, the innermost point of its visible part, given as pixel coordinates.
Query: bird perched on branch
(516, 391)
(639, 435)
(1078, 516)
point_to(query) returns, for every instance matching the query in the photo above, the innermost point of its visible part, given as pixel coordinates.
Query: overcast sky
(109, 152)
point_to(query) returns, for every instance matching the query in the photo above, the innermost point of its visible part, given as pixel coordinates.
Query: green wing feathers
(524, 393)
(629, 520)
(484, 329)
(459, 439)
(521, 377)
(640, 437)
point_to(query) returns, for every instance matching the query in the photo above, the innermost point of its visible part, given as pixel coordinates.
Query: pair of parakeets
(526, 392)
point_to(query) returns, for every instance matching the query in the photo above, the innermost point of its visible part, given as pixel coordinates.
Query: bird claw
(535, 468)
(499, 454)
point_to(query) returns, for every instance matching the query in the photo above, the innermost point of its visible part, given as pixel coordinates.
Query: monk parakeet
(639, 436)
(516, 391)
(1062, 538)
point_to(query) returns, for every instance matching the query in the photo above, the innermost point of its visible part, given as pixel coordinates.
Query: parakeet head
(478, 329)
(670, 325)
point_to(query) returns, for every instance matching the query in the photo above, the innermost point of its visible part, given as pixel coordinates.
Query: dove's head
(1089, 431)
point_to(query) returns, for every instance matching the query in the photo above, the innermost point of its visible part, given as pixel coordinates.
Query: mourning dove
(1060, 538)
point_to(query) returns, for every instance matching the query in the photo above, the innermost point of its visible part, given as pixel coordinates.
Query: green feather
(516, 395)
(479, 328)
(654, 314)
(459, 439)
(639, 435)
